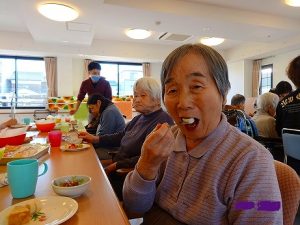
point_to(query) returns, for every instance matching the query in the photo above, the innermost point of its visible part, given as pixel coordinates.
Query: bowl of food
(45, 125)
(13, 140)
(71, 186)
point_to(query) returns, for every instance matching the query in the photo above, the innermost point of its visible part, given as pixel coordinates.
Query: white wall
(236, 78)
(155, 70)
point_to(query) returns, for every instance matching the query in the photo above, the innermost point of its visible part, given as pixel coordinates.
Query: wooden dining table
(98, 205)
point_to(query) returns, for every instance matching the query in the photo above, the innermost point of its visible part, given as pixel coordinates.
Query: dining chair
(291, 141)
(289, 185)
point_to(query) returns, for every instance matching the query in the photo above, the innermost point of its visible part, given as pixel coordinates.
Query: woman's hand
(155, 150)
(7, 123)
(110, 168)
(88, 137)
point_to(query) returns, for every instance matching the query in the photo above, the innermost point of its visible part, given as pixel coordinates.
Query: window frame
(118, 66)
(261, 77)
(16, 76)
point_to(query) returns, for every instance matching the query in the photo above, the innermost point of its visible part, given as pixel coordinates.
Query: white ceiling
(240, 22)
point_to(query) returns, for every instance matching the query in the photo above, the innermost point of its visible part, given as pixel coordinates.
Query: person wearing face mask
(95, 84)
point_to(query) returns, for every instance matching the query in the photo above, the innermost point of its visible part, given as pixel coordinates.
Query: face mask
(95, 79)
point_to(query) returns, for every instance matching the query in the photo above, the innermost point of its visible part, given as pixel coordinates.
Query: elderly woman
(264, 117)
(146, 101)
(203, 170)
(107, 118)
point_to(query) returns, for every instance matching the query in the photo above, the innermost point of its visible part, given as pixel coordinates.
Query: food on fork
(22, 214)
(187, 120)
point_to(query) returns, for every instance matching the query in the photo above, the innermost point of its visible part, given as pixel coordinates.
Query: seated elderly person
(146, 101)
(203, 170)
(238, 102)
(264, 117)
(107, 119)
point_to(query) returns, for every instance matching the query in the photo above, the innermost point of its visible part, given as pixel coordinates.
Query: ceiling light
(58, 12)
(294, 3)
(138, 33)
(211, 41)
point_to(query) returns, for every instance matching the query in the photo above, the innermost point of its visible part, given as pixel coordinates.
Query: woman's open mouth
(189, 122)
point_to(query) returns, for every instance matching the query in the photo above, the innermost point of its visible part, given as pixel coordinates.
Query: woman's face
(192, 95)
(94, 108)
(143, 102)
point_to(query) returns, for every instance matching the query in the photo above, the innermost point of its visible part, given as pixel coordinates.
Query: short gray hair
(238, 99)
(267, 99)
(150, 85)
(216, 65)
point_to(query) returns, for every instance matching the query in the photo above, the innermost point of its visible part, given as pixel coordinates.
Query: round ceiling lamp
(212, 41)
(58, 12)
(294, 3)
(138, 33)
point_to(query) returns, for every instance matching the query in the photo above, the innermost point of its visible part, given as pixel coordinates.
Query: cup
(22, 177)
(54, 138)
(65, 127)
(26, 120)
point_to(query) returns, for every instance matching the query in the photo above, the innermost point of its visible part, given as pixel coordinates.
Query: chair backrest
(274, 145)
(82, 113)
(239, 119)
(291, 141)
(289, 184)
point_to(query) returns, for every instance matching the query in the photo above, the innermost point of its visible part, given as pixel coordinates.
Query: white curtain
(85, 68)
(256, 77)
(146, 69)
(51, 75)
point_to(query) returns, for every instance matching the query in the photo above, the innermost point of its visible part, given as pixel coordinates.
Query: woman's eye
(196, 86)
(171, 91)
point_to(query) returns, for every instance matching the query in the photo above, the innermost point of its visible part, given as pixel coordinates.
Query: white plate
(56, 208)
(65, 147)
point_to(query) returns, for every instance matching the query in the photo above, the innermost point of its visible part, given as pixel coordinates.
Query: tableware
(22, 176)
(26, 120)
(32, 150)
(74, 147)
(1, 152)
(45, 125)
(18, 125)
(57, 210)
(14, 140)
(55, 138)
(62, 185)
(65, 127)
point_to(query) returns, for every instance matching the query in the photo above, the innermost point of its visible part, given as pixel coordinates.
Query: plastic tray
(41, 149)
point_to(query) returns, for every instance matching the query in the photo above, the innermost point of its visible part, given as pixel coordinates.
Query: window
(121, 76)
(266, 80)
(24, 77)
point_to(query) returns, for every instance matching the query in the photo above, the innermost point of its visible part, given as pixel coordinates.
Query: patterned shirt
(210, 183)
(288, 112)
